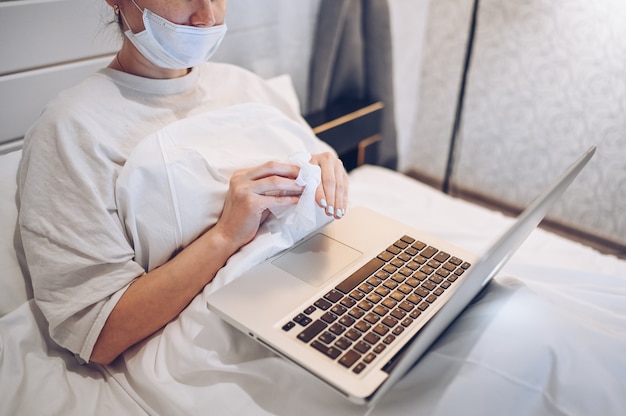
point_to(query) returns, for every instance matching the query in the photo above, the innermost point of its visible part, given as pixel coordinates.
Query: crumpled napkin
(302, 216)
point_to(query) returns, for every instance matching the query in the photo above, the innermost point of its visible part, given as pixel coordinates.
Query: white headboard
(45, 48)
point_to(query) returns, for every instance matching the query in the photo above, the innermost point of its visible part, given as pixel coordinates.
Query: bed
(546, 337)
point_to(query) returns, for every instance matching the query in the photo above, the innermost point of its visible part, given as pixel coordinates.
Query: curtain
(352, 58)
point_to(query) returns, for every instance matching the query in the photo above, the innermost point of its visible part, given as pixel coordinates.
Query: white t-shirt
(79, 255)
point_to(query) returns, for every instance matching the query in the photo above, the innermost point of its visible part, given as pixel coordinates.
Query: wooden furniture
(352, 128)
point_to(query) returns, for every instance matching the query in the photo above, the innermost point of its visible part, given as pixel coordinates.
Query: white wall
(547, 79)
(409, 20)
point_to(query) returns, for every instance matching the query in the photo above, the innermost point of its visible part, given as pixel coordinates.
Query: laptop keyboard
(364, 314)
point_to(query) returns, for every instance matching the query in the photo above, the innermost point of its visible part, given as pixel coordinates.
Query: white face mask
(173, 46)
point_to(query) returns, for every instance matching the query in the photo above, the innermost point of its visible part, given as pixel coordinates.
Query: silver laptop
(357, 302)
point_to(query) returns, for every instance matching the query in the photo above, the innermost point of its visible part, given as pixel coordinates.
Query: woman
(97, 299)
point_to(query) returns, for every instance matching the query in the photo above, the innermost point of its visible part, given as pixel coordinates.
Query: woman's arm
(157, 297)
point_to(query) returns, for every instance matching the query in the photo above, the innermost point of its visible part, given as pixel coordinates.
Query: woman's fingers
(332, 195)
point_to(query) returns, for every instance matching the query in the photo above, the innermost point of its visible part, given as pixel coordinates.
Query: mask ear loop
(118, 12)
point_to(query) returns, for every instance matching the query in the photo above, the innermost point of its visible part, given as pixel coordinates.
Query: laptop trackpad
(317, 259)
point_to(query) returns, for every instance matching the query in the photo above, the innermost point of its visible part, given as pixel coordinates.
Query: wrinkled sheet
(546, 337)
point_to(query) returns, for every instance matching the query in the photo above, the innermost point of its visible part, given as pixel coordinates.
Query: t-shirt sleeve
(79, 260)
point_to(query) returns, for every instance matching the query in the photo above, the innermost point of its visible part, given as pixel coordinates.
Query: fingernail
(339, 213)
(323, 203)
(331, 210)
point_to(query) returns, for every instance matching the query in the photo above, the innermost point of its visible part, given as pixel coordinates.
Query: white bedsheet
(547, 337)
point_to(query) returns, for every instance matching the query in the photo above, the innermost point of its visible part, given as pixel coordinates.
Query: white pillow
(283, 84)
(12, 286)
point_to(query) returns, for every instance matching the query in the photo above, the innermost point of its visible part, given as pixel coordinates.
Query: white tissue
(302, 216)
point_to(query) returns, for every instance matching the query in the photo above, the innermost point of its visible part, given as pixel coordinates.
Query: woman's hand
(252, 192)
(332, 194)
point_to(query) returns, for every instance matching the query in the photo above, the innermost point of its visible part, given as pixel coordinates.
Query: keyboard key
(381, 310)
(442, 256)
(374, 281)
(404, 257)
(413, 282)
(356, 295)
(398, 277)
(327, 337)
(406, 306)
(426, 269)
(347, 321)
(398, 330)
(356, 313)
(362, 326)
(449, 266)
(366, 288)
(406, 322)
(328, 317)
(397, 296)
(362, 347)
(382, 291)
(312, 331)
(329, 351)
(353, 334)
(397, 262)
(360, 275)
(398, 313)
(386, 256)
(337, 329)
(302, 319)
(443, 273)
(380, 329)
(374, 298)
(404, 288)
(428, 252)
(389, 339)
(456, 261)
(371, 338)
(390, 322)
(414, 299)
(289, 325)
(372, 318)
(369, 358)
(349, 358)
(348, 302)
(334, 296)
(390, 284)
(358, 369)
(401, 244)
(393, 249)
(338, 310)
(421, 292)
(418, 245)
(343, 343)
(365, 305)
(323, 304)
